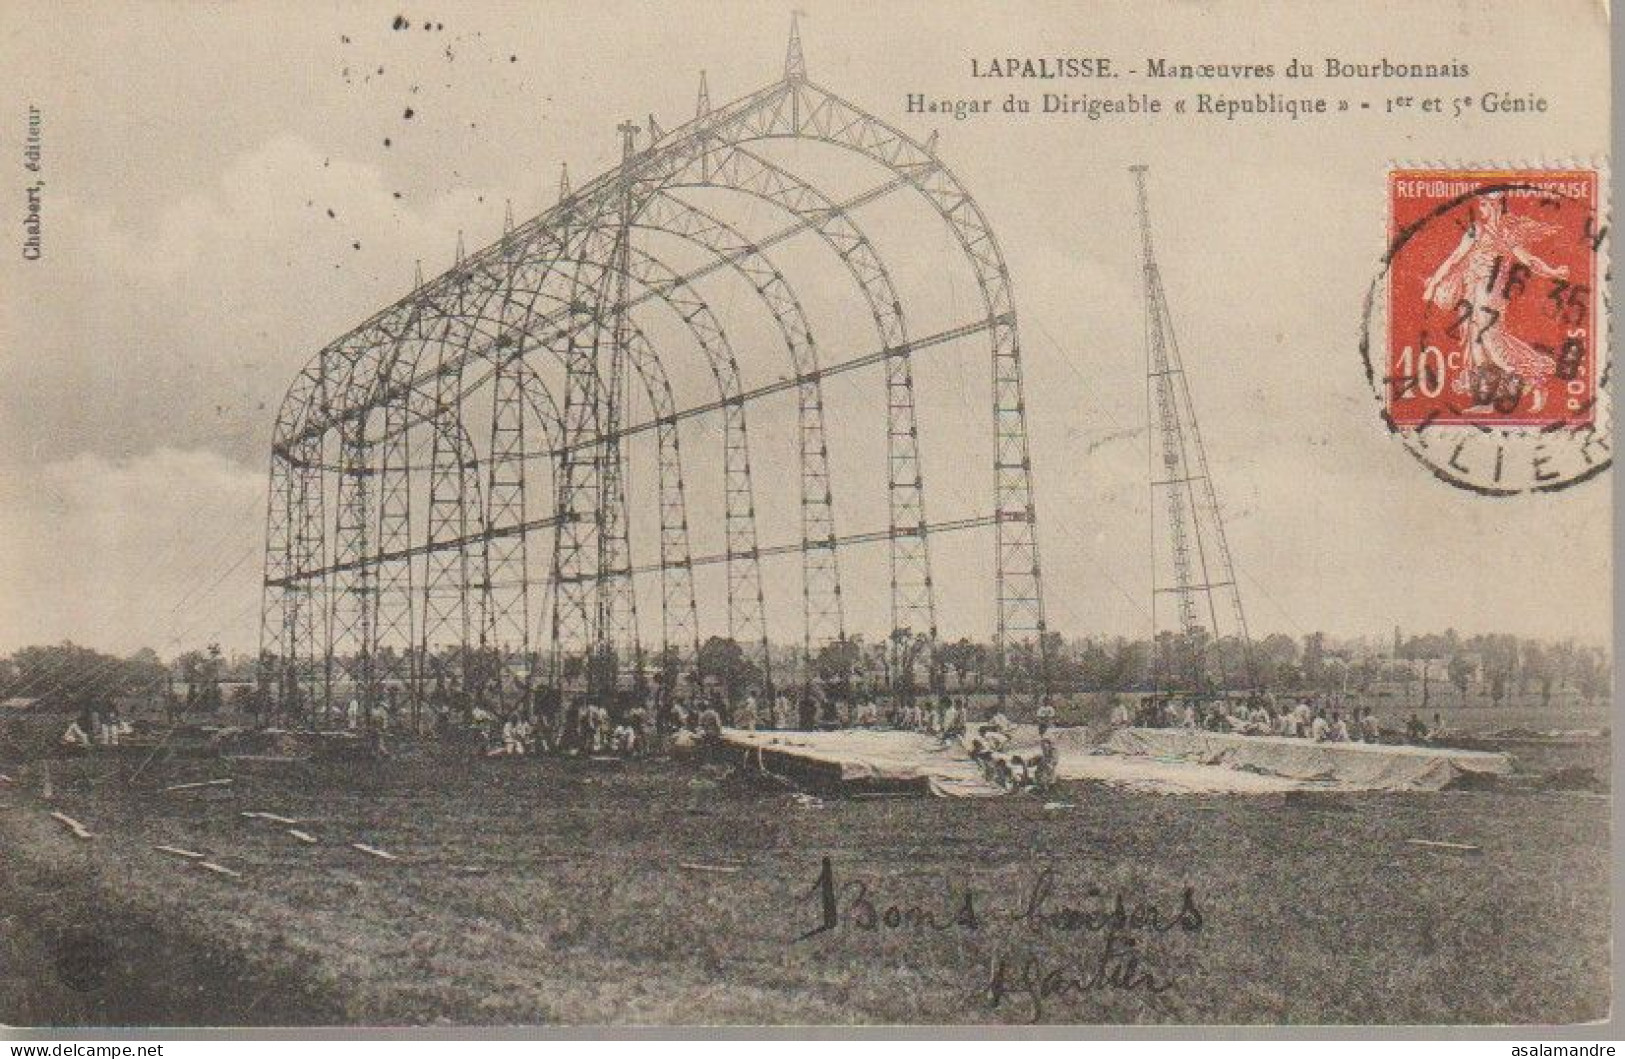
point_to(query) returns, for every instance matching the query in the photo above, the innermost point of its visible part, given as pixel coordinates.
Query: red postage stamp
(1492, 291)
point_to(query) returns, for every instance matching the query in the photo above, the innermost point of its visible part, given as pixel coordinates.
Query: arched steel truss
(360, 593)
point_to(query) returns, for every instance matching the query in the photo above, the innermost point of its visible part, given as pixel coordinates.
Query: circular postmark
(1483, 336)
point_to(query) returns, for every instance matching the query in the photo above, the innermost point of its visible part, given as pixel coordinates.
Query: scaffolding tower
(1206, 646)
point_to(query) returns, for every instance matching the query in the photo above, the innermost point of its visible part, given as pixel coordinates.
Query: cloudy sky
(220, 200)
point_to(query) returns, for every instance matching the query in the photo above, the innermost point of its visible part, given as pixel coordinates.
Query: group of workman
(1261, 716)
(587, 727)
(97, 726)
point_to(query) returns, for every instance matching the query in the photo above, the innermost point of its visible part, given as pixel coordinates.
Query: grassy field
(531, 892)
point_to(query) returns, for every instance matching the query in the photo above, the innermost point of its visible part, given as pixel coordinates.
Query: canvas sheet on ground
(555, 515)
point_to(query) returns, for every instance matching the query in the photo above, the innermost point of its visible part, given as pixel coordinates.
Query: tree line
(1499, 667)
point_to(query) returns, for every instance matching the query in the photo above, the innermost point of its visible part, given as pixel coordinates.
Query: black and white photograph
(529, 518)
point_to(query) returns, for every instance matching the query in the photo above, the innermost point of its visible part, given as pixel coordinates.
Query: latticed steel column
(354, 601)
(679, 613)
(747, 608)
(273, 669)
(619, 645)
(395, 648)
(305, 599)
(549, 417)
(454, 510)
(576, 560)
(506, 609)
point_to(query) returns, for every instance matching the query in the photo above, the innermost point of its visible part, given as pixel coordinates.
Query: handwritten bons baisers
(853, 905)
(1099, 932)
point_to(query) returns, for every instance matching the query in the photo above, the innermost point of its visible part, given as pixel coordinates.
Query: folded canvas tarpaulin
(1344, 766)
(1150, 760)
(863, 759)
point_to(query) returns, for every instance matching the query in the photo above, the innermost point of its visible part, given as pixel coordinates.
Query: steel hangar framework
(439, 516)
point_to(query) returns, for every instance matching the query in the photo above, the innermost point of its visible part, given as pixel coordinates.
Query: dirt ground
(658, 891)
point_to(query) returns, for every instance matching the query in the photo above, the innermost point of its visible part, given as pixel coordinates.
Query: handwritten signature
(1098, 929)
(1117, 967)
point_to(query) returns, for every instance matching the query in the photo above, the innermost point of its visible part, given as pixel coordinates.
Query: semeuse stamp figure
(1493, 371)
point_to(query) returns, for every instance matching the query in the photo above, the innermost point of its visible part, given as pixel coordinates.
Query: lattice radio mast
(1200, 569)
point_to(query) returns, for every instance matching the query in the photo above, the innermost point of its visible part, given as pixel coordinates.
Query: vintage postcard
(535, 516)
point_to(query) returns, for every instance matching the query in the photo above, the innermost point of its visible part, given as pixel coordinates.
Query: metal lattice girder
(455, 511)
(617, 600)
(490, 330)
(355, 597)
(679, 610)
(394, 645)
(803, 110)
(746, 616)
(506, 613)
(1170, 435)
(353, 605)
(454, 544)
(304, 606)
(274, 658)
(374, 596)
(680, 618)
(823, 618)
(565, 231)
(1021, 605)
(506, 601)
(747, 619)
(912, 595)
(576, 630)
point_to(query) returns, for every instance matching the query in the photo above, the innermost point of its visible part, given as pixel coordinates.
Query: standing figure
(1475, 284)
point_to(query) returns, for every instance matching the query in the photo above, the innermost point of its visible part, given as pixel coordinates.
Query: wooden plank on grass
(302, 836)
(272, 817)
(179, 852)
(721, 869)
(201, 783)
(374, 851)
(1460, 847)
(209, 865)
(79, 830)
